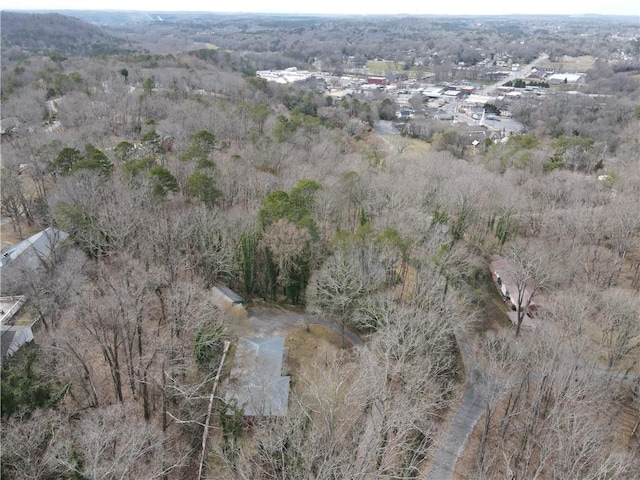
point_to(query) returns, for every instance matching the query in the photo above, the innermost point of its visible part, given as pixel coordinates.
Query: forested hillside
(179, 171)
(25, 34)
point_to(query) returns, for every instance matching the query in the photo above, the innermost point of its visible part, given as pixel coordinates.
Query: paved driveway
(277, 321)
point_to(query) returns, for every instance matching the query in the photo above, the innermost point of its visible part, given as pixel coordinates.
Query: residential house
(405, 113)
(13, 334)
(29, 255)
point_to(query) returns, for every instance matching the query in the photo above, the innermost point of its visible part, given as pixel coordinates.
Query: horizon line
(321, 14)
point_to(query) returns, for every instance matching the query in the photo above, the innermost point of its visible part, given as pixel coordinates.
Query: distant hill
(48, 33)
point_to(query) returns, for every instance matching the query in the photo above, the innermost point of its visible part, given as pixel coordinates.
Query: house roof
(9, 306)
(36, 247)
(478, 99)
(13, 337)
(6, 337)
(256, 382)
(230, 294)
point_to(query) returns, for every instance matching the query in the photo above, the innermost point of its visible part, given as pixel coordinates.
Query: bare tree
(14, 203)
(113, 443)
(620, 323)
(29, 446)
(337, 288)
(529, 273)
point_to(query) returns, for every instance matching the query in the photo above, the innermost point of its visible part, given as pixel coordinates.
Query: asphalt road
(479, 388)
(522, 73)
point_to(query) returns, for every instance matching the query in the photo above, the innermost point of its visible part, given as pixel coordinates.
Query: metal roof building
(256, 380)
(226, 294)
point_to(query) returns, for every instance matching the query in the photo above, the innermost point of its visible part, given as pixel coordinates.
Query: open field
(570, 64)
(381, 68)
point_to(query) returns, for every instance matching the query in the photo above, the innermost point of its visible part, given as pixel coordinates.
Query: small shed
(225, 297)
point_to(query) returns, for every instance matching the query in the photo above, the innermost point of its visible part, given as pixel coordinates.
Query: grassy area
(570, 64)
(381, 67)
(418, 146)
(309, 346)
(492, 309)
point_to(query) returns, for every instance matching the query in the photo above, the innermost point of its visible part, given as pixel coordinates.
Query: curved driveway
(478, 388)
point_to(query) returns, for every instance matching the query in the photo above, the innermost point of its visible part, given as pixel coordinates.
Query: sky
(365, 7)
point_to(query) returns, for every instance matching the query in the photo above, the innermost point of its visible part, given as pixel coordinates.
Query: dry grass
(380, 68)
(571, 64)
(419, 146)
(9, 238)
(309, 346)
(236, 320)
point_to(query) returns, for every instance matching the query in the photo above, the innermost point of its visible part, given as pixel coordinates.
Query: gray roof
(36, 247)
(13, 337)
(256, 382)
(230, 294)
(7, 339)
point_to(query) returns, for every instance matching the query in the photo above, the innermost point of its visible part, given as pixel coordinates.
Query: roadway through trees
(473, 404)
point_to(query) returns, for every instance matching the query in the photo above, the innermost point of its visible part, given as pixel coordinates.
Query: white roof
(284, 76)
(570, 77)
(479, 99)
